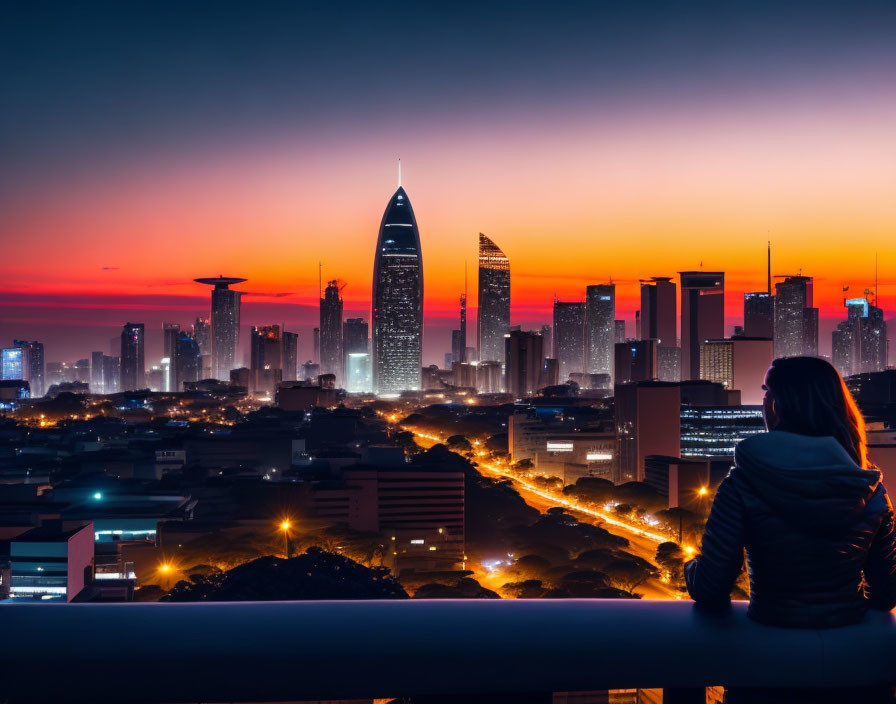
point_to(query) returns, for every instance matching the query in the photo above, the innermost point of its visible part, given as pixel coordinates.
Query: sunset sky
(144, 145)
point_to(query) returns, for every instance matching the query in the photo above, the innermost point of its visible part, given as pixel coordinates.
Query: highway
(643, 542)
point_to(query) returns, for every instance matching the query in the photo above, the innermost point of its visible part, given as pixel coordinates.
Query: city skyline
(630, 165)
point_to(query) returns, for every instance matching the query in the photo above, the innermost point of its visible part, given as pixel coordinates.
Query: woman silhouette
(812, 514)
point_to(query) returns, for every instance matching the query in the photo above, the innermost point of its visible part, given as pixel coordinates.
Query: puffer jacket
(818, 532)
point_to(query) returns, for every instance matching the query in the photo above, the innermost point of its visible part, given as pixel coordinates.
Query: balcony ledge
(275, 651)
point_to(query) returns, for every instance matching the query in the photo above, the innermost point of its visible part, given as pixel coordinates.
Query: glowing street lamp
(285, 526)
(702, 491)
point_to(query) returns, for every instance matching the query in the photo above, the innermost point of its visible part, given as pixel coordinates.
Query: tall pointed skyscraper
(493, 318)
(331, 355)
(397, 313)
(225, 323)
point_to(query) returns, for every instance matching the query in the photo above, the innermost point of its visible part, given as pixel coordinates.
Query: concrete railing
(276, 651)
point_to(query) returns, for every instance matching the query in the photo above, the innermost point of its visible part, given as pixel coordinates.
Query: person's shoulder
(879, 502)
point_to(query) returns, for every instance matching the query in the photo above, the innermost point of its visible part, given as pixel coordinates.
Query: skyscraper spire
(876, 301)
(769, 264)
(399, 172)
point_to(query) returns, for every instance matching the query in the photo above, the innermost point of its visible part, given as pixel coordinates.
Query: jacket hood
(812, 479)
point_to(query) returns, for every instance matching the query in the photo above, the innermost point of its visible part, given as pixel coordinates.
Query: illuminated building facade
(859, 343)
(738, 363)
(796, 321)
(569, 338)
(397, 315)
(713, 431)
(759, 314)
(600, 328)
(331, 350)
(266, 360)
(33, 361)
(186, 365)
(170, 334)
(133, 367)
(225, 324)
(493, 320)
(14, 364)
(873, 340)
(357, 372)
(702, 316)
(51, 563)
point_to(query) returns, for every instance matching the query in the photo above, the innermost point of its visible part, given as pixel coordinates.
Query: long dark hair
(812, 399)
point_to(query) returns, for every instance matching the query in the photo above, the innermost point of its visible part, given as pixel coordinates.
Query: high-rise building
(397, 313)
(636, 360)
(315, 346)
(550, 372)
(702, 316)
(524, 361)
(266, 360)
(331, 354)
(859, 344)
(97, 385)
(225, 324)
(14, 364)
(186, 365)
(493, 319)
(357, 372)
(489, 377)
(34, 351)
(796, 321)
(759, 307)
(873, 334)
(290, 356)
(659, 311)
(355, 336)
(547, 338)
(600, 328)
(310, 371)
(459, 336)
(133, 367)
(845, 347)
(170, 335)
(647, 423)
(668, 363)
(759, 314)
(619, 331)
(111, 374)
(357, 355)
(738, 363)
(202, 333)
(569, 338)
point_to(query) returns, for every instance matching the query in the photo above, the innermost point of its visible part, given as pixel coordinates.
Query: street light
(284, 526)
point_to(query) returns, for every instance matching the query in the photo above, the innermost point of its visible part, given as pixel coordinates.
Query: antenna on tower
(399, 172)
(875, 281)
(769, 267)
(320, 280)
